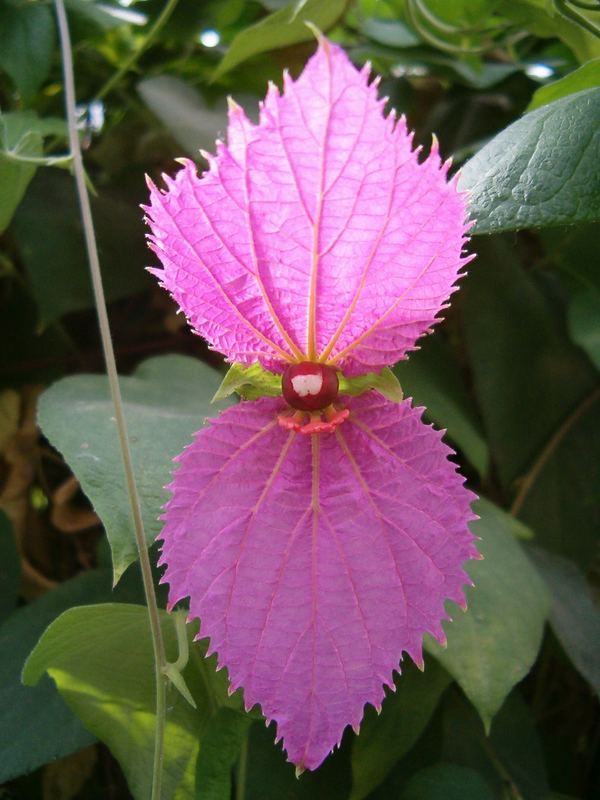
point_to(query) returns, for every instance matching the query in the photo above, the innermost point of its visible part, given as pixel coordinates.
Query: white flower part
(307, 384)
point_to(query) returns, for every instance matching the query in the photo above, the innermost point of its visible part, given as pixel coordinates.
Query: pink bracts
(314, 561)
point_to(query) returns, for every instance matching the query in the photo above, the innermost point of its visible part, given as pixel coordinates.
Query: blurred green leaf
(447, 782)
(574, 615)
(542, 18)
(390, 32)
(36, 726)
(586, 77)
(26, 44)
(221, 744)
(542, 170)
(281, 29)
(384, 739)
(584, 321)
(431, 376)
(166, 401)
(104, 15)
(538, 396)
(10, 567)
(509, 758)
(574, 252)
(48, 230)
(101, 660)
(184, 112)
(494, 644)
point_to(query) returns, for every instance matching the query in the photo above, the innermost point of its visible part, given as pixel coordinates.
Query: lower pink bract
(315, 562)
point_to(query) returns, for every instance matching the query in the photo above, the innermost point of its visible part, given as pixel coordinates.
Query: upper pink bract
(315, 234)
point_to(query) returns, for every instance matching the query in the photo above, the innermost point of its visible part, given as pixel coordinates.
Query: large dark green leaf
(431, 376)
(539, 400)
(542, 170)
(101, 659)
(166, 400)
(280, 29)
(384, 739)
(493, 645)
(48, 230)
(35, 724)
(26, 44)
(574, 615)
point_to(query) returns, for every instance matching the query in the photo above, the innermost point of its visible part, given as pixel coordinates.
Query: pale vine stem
(546, 453)
(111, 369)
(135, 55)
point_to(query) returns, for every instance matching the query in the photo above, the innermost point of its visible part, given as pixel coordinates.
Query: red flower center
(310, 387)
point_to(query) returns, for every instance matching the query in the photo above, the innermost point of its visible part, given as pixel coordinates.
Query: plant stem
(144, 44)
(111, 369)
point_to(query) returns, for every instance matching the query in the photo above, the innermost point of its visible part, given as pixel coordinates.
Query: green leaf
(10, 567)
(166, 400)
(101, 659)
(574, 615)
(494, 644)
(36, 726)
(386, 738)
(542, 170)
(385, 382)
(431, 376)
(26, 44)
(586, 77)
(48, 230)
(538, 398)
(222, 741)
(249, 382)
(18, 134)
(281, 29)
(447, 782)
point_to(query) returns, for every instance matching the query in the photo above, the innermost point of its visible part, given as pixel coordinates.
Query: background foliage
(512, 89)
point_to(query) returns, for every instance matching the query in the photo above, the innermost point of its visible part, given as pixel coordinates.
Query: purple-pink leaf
(314, 562)
(316, 234)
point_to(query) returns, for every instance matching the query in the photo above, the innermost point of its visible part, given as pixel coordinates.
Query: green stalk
(160, 663)
(144, 44)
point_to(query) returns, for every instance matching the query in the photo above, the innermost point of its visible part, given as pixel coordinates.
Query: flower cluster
(317, 534)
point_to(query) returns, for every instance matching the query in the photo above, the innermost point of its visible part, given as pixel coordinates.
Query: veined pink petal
(314, 562)
(316, 232)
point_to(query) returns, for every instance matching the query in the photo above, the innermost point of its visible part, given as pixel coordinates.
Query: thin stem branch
(540, 462)
(135, 55)
(565, 9)
(111, 369)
